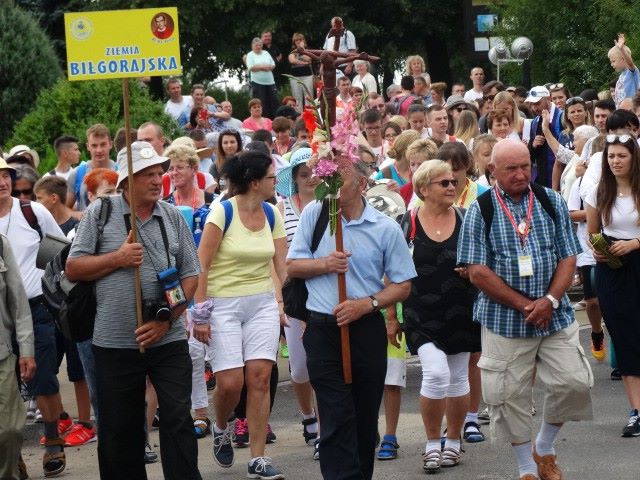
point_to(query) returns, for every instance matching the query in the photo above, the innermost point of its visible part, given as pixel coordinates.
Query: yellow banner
(122, 43)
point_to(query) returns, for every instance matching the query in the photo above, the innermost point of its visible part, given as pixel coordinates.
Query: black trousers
(349, 413)
(268, 95)
(121, 383)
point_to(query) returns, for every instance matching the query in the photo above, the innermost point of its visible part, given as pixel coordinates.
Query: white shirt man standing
(178, 105)
(477, 77)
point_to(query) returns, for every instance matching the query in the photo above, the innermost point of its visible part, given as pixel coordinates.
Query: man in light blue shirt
(374, 248)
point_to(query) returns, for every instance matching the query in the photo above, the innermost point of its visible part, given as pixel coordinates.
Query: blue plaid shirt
(547, 243)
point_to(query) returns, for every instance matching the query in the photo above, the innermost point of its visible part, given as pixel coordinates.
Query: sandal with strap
(388, 448)
(451, 457)
(309, 437)
(431, 461)
(54, 463)
(472, 433)
(202, 426)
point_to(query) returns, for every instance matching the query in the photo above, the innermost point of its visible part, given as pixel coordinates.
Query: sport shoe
(451, 457)
(547, 467)
(79, 435)
(271, 437)
(632, 429)
(222, 449)
(263, 469)
(597, 346)
(615, 374)
(64, 426)
(149, 455)
(39, 418)
(32, 408)
(241, 433)
(209, 376)
(431, 461)
(316, 449)
(483, 416)
(156, 419)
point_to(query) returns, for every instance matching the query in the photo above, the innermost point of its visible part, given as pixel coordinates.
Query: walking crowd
(503, 198)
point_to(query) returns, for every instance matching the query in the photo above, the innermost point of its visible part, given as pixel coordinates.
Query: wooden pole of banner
(132, 201)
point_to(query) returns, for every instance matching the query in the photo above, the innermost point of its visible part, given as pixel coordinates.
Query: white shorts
(396, 372)
(242, 329)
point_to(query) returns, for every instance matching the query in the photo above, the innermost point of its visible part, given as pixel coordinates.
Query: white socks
(524, 455)
(432, 445)
(313, 427)
(471, 417)
(451, 443)
(217, 429)
(545, 439)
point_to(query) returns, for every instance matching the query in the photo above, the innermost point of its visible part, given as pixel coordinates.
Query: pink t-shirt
(251, 124)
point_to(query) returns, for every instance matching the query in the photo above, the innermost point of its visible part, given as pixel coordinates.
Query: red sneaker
(79, 435)
(64, 426)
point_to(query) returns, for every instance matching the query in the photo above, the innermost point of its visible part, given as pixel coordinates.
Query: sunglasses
(624, 138)
(556, 86)
(26, 191)
(460, 109)
(446, 183)
(490, 97)
(574, 100)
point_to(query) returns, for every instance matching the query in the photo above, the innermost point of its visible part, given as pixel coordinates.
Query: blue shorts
(44, 381)
(68, 348)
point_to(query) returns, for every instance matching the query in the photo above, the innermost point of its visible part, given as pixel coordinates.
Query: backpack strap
(408, 225)
(80, 173)
(321, 226)
(485, 202)
(201, 180)
(228, 214)
(387, 173)
(543, 197)
(271, 217)
(30, 217)
(103, 217)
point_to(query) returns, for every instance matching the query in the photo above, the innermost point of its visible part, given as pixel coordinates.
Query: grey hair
(361, 62)
(361, 168)
(585, 131)
(26, 172)
(256, 40)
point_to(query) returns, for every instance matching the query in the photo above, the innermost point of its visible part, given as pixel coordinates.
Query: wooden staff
(132, 201)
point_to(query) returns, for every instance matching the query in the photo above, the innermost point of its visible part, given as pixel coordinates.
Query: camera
(156, 310)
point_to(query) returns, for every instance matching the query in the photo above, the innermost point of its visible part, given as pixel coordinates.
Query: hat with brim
(143, 156)
(285, 185)
(205, 152)
(537, 93)
(453, 101)
(20, 149)
(5, 166)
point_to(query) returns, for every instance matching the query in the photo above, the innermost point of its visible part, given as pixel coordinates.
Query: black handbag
(294, 290)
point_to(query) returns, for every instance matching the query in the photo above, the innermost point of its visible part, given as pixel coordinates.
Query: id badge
(175, 296)
(525, 265)
(411, 249)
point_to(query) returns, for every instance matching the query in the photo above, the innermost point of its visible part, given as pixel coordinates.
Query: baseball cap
(536, 93)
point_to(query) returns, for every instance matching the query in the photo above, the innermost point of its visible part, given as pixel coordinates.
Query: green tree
(571, 37)
(71, 107)
(28, 62)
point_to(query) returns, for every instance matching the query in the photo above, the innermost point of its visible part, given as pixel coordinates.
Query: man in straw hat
(169, 268)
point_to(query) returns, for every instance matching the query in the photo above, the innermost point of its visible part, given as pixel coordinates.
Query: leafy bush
(69, 108)
(28, 62)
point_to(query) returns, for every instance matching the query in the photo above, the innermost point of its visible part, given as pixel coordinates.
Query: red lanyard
(522, 229)
(176, 197)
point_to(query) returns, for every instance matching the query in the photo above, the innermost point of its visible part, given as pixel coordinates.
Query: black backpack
(73, 304)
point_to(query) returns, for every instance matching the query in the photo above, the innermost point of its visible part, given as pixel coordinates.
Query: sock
(88, 425)
(253, 460)
(452, 443)
(471, 417)
(526, 464)
(64, 415)
(546, 437)
(51, 433)
(312, 428)
(217, 429)
(432, 445)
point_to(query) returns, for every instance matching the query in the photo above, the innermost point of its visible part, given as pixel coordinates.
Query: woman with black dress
(438, 313)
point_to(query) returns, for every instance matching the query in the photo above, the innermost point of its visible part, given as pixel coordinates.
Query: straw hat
(143, 156)
(285, 185)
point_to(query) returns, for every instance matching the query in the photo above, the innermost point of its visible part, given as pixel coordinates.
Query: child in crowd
(482, 148)
(417, 116)
(629, 80)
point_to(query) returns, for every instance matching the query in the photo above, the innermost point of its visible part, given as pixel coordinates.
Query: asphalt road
(586, 450)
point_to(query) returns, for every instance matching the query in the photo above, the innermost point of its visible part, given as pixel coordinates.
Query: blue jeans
(85, 352)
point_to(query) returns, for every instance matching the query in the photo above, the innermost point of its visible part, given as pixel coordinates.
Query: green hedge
(69, 108)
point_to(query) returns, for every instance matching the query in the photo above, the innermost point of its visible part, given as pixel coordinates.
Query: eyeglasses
(556, 86)
(624, 138)
(573, 101)
(445, 183)
(372, 129)
(390, 135)
(460, 109)
(490, 97)
(26, 191)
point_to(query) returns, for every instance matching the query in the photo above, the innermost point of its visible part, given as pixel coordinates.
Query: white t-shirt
(347, 42)
(367, 81)
(472, 95)
(574, 204)
(175, 109)
(64, 175)
(591, 177)
(25, 242)
(624, 216)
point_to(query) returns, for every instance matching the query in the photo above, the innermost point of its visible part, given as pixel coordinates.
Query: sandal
(309, 437)
(431, 461)
(54, 463)
(451, 457)
(202, 426)
(472, 433)
(388, 448)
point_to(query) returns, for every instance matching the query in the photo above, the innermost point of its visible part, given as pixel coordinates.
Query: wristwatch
(554, 301)
(375, 305)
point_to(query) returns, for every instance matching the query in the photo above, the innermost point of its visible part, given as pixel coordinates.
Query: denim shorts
(44, 381)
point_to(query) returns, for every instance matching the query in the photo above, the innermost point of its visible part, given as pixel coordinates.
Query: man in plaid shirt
(523, 266)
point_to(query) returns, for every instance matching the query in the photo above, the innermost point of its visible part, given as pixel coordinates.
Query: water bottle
(197, 231)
